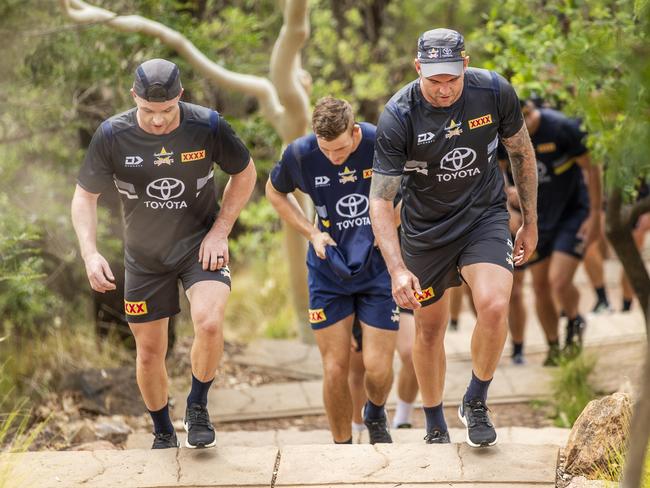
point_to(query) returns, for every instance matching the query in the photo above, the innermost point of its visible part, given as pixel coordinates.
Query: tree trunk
(619, 232)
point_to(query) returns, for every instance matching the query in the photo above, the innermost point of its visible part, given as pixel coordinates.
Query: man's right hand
(319, 240)
(99, 273)
(405, 285)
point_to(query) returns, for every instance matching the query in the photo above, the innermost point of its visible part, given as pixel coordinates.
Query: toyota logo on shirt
(459, 158)
(165, 189)
(352, 205)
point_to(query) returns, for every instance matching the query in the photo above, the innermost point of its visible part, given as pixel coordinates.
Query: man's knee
(561, 284)
(208, 325)
(430, 335)
(149, 356)
(493, 310)
(335, 370)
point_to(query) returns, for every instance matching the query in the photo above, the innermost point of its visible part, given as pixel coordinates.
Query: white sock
(402, 413)
(358, 427)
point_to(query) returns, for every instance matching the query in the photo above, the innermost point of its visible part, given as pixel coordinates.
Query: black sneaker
(601, 308)
(574, 330)
(200, 432)
(378, 431)
(165, 440)
(437, 437)
(405, 425)
(480, 431)
(553, 357)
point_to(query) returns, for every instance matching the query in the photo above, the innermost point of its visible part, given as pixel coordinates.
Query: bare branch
(286, 71)
(258, 87)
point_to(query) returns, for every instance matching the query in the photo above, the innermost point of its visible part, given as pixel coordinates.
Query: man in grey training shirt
(160, 156)
(437, 137)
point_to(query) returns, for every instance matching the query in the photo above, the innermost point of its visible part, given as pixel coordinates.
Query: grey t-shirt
(165, 181)
(447, 157)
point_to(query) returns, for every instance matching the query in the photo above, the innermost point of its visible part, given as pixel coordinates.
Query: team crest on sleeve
(480, 121)
(316, 316)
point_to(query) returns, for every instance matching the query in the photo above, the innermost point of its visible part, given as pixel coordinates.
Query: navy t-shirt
(447, 157)
(557, 142)
(165, 181)
(339, 192)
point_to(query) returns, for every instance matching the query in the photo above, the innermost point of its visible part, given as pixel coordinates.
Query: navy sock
(627, 305)
(162, 424)
(199, 392)
(373, 412)
(602, 295)
(477, 389)
(517, 348)
(435, 417)
(349, 441)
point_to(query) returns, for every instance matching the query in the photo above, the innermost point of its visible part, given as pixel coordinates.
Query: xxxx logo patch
(317, 316)
(480, 121)
(135, 308)
(192, 156)
(367, 173)
(426, 294)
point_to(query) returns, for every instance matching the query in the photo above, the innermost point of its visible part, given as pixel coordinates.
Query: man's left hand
(213, 253)
(590, 230)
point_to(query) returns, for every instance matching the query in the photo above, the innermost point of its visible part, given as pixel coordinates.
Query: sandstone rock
(582, 482)
(82, 432)
(95, 446)
(599, 432)
(113, 429)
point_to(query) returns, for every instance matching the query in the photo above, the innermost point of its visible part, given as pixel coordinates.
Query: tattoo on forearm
(524, 171)
(384, 187)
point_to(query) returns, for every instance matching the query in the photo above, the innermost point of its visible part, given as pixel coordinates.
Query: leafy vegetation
(571, 388)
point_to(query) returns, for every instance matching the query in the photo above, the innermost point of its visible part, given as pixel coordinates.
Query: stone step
(285, 437)
(414, 465)
(511, 384)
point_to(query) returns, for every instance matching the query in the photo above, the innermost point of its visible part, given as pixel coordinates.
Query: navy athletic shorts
(438, 269)
(149, 296)
(367, 295)
(563, 238)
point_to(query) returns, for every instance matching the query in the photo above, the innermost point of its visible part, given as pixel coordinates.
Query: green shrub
(571, 388)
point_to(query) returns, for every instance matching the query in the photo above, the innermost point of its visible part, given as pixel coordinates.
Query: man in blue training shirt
(347, 274)
(568, 221)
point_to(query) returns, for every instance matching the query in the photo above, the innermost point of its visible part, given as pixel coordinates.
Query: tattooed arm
(524, 172)
(382, 215)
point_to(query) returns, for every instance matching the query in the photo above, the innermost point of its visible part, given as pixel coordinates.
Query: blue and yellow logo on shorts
(317, 316)
(426, 294)
(135, 308)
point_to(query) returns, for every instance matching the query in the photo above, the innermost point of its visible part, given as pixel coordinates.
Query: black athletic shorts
(149, 296)
(563, 238)
(440, 268)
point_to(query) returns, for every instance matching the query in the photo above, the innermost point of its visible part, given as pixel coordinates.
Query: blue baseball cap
(157, 80)
(441, 52)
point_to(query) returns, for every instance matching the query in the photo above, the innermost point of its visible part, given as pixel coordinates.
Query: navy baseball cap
(157, 80)
(441, 52)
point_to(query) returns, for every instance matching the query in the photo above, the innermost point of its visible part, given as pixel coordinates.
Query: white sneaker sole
(190, 446)
(467, 439)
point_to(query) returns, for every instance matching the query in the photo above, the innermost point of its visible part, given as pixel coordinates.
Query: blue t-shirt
(558, 141)
(339, 192)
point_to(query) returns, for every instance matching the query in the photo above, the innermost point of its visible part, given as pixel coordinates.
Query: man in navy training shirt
(160, 156)
(569, 220)
(347, 274)
(437, 137)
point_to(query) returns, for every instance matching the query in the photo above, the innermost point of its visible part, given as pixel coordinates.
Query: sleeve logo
(188, 157)
(135, 308)
(317, 316)
(480, 121)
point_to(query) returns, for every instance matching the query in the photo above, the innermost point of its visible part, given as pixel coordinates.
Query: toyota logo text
(165, 189)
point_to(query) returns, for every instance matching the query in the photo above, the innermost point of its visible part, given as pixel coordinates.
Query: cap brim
(451, 68)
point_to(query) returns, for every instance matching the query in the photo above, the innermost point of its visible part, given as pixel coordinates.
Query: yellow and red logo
(426, 294)
(135, 308)
(317, 316)
(480, 121)
(546, 147)
(192, 156)
(367, 173)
